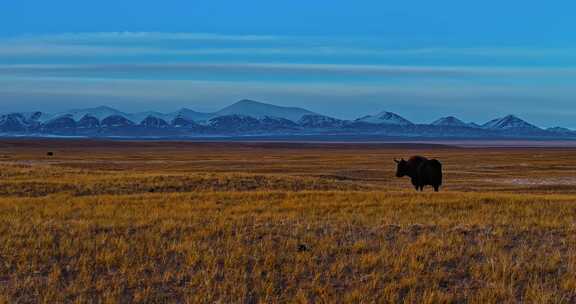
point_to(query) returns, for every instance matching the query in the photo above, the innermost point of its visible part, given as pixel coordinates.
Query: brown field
(109, 222)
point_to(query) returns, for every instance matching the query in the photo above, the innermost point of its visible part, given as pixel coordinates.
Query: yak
(422, 172)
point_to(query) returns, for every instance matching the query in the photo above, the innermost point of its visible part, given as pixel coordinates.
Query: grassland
(110, 222)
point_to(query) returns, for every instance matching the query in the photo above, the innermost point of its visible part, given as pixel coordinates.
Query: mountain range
(247, 117)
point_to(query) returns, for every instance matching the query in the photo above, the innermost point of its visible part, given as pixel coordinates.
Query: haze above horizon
(423, 59)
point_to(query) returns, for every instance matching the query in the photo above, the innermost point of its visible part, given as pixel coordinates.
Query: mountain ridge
(252, 117)
(385, 117)
(509, 121)
(450, 121)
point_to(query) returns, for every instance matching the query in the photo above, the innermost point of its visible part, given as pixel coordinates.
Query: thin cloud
(186, 88)
(139, 36)
(110, 43)
(328, 69)
(43, 48)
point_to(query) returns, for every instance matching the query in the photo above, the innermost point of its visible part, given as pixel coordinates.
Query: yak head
(402, 169)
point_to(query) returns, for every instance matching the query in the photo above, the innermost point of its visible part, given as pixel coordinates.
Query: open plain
(111, 221)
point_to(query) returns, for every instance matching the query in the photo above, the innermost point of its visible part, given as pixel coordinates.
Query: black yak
(422, 172)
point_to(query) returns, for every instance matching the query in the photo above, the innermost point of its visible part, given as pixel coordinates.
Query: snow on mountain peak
(256, 117)
(450, 121)
(509, 122)
(385, 117)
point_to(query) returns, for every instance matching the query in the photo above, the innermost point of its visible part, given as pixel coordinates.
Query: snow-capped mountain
(154, 122)
(509, 122)
(450, 121)
(385, 118)
(260, 110)
(116, 121)
(36, 116)
(88, 122)
(248, 117)
(62, 123)
(20, 122)
(14, 122)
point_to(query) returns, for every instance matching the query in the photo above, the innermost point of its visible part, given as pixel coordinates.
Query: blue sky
(422, 59)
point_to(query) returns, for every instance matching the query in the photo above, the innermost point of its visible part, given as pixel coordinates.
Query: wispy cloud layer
(139, 36)
(364, 73)
(159, 43)
(166, 69)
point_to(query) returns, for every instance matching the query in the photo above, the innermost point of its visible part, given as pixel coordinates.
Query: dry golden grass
(271, 223)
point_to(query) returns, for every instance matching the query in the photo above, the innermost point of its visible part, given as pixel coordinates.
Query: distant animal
(50, 154)
(422, 172)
